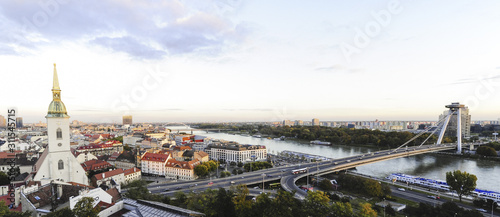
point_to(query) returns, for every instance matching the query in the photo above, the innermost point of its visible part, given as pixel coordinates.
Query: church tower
(57, 120)
(57, 162)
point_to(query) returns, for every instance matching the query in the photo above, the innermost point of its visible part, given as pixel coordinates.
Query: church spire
(56, 107)
(55, 85)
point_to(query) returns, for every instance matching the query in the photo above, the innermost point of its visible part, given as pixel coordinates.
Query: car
(178, 188)
(481, 210)
(256, 187)
(166, 189)
(242, 177)
(210, 183)
(232, 182)
(433, 197)
(401, 189)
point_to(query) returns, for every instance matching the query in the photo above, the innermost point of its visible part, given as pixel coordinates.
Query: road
(287, 178)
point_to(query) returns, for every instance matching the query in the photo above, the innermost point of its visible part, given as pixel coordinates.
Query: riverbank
(467, 156)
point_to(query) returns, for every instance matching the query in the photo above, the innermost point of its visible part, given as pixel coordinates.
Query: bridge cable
(419, 134)
(437, 128)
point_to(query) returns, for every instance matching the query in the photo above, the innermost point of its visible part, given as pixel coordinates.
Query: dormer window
(59, 133)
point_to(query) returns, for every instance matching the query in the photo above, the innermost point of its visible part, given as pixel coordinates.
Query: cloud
(129, 45)
(142, 29)
(339, 69)
(474, 80)
(258, 110)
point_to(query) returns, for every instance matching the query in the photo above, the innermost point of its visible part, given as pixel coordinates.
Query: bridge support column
(443, 128)
(454, 107)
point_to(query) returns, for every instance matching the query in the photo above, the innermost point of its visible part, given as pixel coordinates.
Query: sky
(232, 60)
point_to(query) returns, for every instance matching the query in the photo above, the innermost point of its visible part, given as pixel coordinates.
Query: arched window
(60, 165)
(59, 133)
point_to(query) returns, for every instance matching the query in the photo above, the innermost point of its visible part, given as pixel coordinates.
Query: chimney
(103, 175)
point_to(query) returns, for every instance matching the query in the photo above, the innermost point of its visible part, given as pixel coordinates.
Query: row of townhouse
(118, 176)
(167, 166)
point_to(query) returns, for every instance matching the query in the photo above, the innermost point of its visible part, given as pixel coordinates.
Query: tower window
(59, 133)
(60, 165)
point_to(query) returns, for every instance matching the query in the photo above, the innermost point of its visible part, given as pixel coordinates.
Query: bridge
(321, 168)
(288, 179)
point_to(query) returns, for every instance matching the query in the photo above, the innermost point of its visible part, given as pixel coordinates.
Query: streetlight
(384, 206)
(492, 207)
(263, 175)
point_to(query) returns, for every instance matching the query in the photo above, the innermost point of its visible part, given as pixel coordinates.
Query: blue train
(440, 185)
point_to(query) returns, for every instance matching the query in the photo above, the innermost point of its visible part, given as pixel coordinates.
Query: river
(425, 165)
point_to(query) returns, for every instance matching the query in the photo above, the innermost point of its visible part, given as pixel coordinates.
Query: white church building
(57, 162)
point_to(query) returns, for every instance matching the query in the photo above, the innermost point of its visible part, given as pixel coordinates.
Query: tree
(285, 204)
(486, 151)
(127, 148)
(263, 206)
(241, 204)
(340, 209)
(317, 204)
(180, 199)
(461, 182)
(326, 185)
(201, 170)
(366, 210)
(4, 179)
(240, 164)
(224, 205)
(373, 188)
(225, 174)
(85, 208)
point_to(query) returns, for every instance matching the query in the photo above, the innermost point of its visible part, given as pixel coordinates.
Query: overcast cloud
(142, 29)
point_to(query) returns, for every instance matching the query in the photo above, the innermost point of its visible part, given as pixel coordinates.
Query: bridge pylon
(455, 109)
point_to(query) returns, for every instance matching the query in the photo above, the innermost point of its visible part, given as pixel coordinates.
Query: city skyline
(225, 61)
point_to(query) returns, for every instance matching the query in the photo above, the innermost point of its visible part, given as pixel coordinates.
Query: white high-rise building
(57, 162)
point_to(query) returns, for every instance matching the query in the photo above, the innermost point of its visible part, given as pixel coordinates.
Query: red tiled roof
(95, 165)
(180, 148)
(80, 185)
(202, 154)
(6, 199)
(108, 174)
(182, 164)
(7, 155)
(40, 160)
(113, 156)
(131, 170)
(114, 194)
(154, 157)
